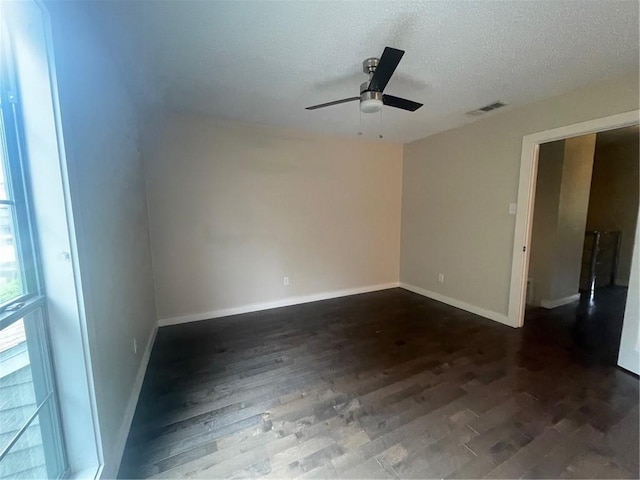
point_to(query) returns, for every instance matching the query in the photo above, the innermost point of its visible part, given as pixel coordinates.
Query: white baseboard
(483, 312)
(560, 301)
(256, 307)
(125, 426)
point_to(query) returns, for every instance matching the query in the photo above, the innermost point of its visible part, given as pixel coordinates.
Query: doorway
(520, 285)
(585, 212)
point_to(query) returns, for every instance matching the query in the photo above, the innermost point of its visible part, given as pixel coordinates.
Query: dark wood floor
(385, 385)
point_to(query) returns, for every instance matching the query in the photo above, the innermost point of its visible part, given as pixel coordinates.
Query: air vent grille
(487, 108)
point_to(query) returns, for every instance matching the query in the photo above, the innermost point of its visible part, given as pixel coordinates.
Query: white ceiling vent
(487, 108)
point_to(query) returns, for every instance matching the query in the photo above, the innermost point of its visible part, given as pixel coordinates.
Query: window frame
(16, 176)
(32, 302)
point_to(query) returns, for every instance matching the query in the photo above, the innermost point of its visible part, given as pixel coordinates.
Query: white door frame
(526, 196)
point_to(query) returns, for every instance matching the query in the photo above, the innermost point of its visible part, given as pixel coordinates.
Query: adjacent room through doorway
(585, 216)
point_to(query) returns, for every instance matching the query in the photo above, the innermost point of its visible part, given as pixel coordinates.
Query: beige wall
(577, 167)
(457, 187)
(544, 230)
(234, 209)
(613, 204)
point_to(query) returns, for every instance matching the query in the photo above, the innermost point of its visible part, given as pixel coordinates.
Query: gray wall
(457, 186)
(108, 196)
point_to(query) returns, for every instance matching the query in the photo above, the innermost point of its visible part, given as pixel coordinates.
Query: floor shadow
(589, 328)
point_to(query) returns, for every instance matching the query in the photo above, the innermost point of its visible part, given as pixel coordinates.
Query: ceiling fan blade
(387, 65)
(402, 103)
(336, 102)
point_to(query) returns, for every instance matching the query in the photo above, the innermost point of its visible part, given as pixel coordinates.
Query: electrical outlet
(135, 346)
(286, 281)
(441, 277)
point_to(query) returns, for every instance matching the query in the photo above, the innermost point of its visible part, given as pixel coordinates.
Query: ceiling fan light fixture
(371, 105)
(370, 101)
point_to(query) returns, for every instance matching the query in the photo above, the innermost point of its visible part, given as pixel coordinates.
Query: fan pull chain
(380, 130)
(360, 128)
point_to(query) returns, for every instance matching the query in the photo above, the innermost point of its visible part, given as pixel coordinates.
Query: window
(30, 434)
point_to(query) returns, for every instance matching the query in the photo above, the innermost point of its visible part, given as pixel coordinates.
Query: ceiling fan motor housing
(370, 101)
(369, 65)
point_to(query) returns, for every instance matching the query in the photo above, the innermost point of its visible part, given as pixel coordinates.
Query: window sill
(90, 473)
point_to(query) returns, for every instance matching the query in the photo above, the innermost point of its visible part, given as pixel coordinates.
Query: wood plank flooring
(382, 385)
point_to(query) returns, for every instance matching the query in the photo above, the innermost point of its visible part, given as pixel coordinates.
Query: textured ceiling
(263, 62)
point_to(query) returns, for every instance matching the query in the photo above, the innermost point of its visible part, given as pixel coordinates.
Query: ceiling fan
(371, 97)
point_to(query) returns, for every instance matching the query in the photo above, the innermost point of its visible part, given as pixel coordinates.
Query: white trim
(285, 302)
(549, 304)
(526, 194)
(125, 426)
(483, 312)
